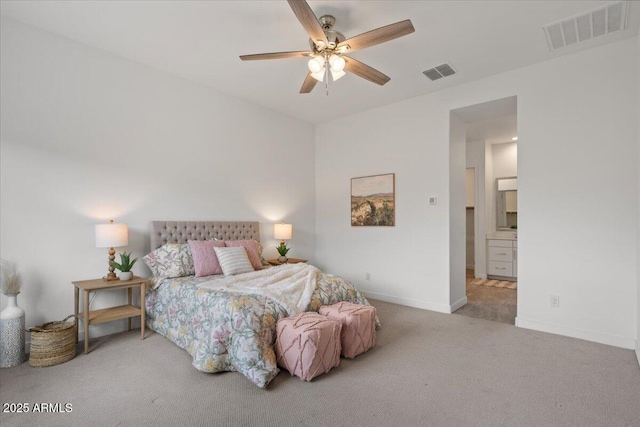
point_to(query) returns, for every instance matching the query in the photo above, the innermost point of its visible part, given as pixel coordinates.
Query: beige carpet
(426, 369)
(495, 283)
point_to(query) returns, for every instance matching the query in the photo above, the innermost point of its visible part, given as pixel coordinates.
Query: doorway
(483, 150)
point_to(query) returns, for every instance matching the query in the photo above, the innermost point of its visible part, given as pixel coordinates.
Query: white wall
(505, 160)
(87, 136)
(475, 154)
(577, 124)
(458, 218)
(471, 187)
(638, 212)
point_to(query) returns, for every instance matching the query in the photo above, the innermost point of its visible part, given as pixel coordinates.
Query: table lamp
(111, 236)
(283, 232)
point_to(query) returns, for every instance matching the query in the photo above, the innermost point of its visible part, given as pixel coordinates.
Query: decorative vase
(282, 259)
(11, 333)
(126, 275)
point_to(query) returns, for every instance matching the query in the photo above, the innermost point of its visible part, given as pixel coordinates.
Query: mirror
(507, 203)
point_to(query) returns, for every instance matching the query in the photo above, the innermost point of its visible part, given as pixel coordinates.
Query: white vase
(282, 259)
(126, 275)
(11, 333)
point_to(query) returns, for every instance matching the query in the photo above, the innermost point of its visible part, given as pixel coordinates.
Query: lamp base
(111, 276)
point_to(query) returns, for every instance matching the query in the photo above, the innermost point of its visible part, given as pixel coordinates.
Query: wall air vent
(595, 23)
(439, 72)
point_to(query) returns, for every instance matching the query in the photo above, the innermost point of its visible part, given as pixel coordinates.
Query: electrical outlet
(367, 276)
(554, 301)
(433, 200)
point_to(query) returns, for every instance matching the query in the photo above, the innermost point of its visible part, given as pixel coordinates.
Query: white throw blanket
(291, 285)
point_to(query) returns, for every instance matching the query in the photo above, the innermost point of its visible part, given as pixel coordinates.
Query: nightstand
(94, 317)
(289, 261)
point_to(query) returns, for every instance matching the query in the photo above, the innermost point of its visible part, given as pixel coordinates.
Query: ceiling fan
(329, 48)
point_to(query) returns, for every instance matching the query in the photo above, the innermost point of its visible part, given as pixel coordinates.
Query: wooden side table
(94, 317)
(289, 261)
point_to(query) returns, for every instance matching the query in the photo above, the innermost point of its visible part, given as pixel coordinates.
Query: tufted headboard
(162, 232)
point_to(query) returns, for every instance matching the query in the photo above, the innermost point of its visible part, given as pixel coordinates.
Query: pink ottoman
(358, 326)
(308, 344)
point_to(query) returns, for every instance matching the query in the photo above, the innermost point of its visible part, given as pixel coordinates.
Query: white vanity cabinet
(502, 258)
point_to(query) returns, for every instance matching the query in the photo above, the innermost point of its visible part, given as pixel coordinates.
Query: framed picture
(373, 200)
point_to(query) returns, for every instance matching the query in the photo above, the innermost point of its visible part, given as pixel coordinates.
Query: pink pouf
(358, 326)
(308, 344)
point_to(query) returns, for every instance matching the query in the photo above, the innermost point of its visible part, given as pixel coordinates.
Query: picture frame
(373, 201)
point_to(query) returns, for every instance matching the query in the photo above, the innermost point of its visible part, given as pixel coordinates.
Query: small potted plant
(125, 265)
(282, 250)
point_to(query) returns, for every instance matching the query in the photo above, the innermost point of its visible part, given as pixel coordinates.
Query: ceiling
(495, 122)
(201, 41)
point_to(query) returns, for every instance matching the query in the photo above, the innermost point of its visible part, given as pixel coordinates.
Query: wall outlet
(554, 301)
(367, 276)
(433, 200)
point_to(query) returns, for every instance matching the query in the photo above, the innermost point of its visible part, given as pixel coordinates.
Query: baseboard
(638, 351)
(569, 331)
(461, 302)
(440, 308)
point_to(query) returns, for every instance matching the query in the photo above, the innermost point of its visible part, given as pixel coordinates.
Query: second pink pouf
(358, 326)
(308, 344)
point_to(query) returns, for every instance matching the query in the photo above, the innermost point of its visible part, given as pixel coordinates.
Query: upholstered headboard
(163, 232)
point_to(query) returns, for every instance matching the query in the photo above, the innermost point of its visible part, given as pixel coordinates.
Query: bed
(229, 328)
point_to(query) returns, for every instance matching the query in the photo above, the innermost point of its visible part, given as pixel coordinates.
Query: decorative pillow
(170, 260)
(233, 260)
(205, 260)
(251, 247)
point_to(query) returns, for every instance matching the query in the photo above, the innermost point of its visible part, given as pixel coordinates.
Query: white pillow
(233, 260)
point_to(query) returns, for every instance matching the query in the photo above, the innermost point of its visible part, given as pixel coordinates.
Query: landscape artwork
(373, 200)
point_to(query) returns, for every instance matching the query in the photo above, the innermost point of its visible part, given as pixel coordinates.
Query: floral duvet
(229, 331)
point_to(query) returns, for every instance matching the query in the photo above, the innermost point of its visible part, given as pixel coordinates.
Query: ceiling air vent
(439, 72)
(595, 23)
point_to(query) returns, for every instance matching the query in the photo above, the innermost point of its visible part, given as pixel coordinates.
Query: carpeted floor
(498, 304)
(426, 369)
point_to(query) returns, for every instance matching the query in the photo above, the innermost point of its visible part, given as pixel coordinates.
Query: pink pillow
(251, 246)
(205, 260)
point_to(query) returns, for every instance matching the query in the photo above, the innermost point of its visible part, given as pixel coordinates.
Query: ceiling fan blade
(308, 20)
(308, 84)
(366, 72)
(275, 55)
(377, 36)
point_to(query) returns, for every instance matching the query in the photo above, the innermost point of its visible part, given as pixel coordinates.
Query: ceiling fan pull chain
(326, 79)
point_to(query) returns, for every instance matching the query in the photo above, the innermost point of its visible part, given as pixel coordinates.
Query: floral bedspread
(230, 331)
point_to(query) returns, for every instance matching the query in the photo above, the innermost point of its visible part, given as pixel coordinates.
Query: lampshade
(111, 235)
(337, 74)
(316, 64)
(282, 231)
(337, 63)
(319, 76)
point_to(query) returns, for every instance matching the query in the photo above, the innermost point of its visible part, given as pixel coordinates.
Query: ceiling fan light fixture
(319, 75)
(327, 45)
(336, 74)
(316, 64)
(337, 63)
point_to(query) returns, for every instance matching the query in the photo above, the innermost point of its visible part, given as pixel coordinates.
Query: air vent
(595, 23)
(439, 72)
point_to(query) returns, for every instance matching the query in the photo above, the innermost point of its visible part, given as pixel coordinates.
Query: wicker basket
(53, 343)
